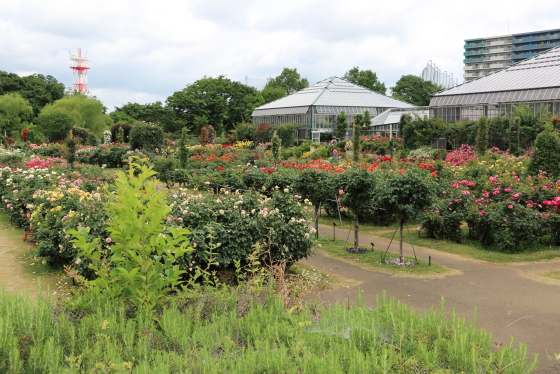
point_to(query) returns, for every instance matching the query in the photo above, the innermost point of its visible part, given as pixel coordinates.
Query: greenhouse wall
(474, 112)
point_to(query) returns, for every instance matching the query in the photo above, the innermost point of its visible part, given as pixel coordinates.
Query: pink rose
(108, 240)
(341, 192)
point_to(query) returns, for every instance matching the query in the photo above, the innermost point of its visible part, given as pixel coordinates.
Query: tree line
(44, 107)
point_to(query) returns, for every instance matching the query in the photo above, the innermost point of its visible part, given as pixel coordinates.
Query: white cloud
(143, 51)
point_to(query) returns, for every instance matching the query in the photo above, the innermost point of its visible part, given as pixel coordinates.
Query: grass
(551, 274)
(372, 260)
(469, 248)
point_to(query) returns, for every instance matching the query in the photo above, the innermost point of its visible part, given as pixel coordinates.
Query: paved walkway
(501, 293)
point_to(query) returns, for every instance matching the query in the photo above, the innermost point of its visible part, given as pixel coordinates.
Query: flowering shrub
(229, 224)
(461, 155)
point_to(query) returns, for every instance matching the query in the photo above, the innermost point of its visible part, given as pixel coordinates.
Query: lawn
(379, 261)
(469, 248)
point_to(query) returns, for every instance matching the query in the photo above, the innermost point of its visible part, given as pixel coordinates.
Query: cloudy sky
(144, 50)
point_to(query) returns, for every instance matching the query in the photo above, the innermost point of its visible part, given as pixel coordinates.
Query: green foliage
(482, 136)
(276, 143)
(365, 78)
(55, 124)
(229, 224)
(37, 89)
(286, 133)
(247, 331)
(184, 151)
(507, 225)
(317, 186)
(272, 93)
(415, 90)
(356, 139)
(70, 151)
(13, 110)
(223, 102)
(404, 194)
(86, 112)
(81, 135)
(419, 131)
(154, 113)
(146, 136)
(138, 265)
(245, 132)
(341, 125)
(366, 122)
(546, 154)
(288, 82)
(356, 186)
(513, 136)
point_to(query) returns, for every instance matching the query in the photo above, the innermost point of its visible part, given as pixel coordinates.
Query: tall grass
(244, 332)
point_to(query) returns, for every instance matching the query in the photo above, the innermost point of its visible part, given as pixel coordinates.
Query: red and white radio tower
(79, 71)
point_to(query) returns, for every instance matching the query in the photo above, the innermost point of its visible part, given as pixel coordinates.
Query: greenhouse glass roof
(333, 92)
(537, 78)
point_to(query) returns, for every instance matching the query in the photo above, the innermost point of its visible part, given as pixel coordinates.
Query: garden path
(500, 293)
(19, 272)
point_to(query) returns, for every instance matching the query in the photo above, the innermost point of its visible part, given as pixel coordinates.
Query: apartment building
(484, 56)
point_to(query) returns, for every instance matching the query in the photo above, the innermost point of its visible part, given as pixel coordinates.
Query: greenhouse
(317, 107)
(535, 82)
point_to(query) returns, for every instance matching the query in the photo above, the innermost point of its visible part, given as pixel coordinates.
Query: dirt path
(19, 272)
(501, 294)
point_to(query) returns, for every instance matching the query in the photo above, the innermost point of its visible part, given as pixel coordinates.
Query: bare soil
(20, 272)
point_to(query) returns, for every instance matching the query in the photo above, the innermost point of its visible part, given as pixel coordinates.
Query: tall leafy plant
(136, 262)
(356, 188)
(405, 194)
(482, 135)
(356, 143)
(513, 135)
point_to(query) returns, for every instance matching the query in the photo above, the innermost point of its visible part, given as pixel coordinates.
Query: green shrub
(546, 154)
(146, 136)
(229, 225)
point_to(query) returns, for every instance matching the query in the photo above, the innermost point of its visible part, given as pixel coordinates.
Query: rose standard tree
(318, 186)
(356, 193)
(405, 194)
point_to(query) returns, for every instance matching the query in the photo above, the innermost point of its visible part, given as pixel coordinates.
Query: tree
(316, 185)
(13, 110)
(86, 112)
(222, 102)
(154, 113)
(482, 135)
(546, 154)
(404, 194)
(271, 93)
(356, 192)
(289, 81)
(365, 78)
(415, 90)
(356, 143)
(341, 124)
(513, 135)
(55, 124)
(366, 122)
(37, 89)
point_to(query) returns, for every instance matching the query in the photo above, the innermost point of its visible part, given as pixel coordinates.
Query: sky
(143, 51)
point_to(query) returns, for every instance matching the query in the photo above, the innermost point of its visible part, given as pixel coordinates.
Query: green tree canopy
(221, 101)
(415, 90)
(154, 113)
(86, 112)
(55, 124)
(37, 89)
(289, 80)
(405, 195)
(13, 110)
(365, 78)
(271, 93)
